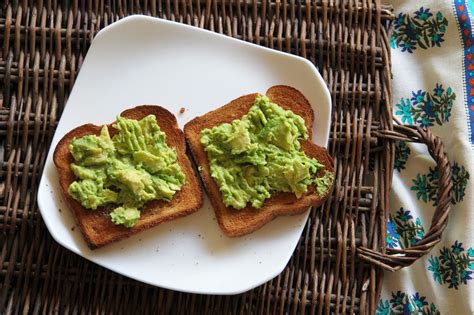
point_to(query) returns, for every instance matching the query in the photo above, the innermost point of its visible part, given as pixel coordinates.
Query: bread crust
(96, 225)
(244, 221)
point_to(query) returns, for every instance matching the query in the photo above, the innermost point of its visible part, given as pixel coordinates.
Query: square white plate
(142, 60)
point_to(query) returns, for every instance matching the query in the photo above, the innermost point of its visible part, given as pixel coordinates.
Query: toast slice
(240, 222)
(96, 226)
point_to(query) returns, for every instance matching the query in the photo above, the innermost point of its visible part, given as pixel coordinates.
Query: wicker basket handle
(396, 259)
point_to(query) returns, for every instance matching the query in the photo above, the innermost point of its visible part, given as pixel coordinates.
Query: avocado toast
(134, 181)
(219, 144)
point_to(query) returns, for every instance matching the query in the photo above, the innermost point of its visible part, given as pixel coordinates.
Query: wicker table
(337, 266)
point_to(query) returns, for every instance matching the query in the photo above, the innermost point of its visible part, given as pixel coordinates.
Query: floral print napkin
(433, 86)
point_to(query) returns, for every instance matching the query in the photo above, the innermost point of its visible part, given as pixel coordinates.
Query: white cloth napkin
(433, 69)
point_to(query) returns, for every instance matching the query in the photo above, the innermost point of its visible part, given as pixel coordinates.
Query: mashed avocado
(258, 155)
(125, 171)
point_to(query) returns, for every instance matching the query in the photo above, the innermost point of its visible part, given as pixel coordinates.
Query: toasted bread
(96, 225)
(240, 222)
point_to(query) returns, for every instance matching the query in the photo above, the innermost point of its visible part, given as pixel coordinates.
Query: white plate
(143, 60)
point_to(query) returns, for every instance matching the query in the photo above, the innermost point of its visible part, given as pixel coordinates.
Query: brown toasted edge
(184, 202)
(240, 222)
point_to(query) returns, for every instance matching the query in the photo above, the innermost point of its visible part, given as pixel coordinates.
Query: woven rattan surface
(336, 266)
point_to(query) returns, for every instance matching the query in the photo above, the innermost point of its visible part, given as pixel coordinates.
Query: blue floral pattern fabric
(432, 48)
(403, 230)
(426, 108)
(402, 152)
(403, 303)
(421, 29)
(454, 265)
(426, 185)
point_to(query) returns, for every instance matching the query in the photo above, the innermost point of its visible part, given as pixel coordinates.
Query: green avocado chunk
(323, 184)
(256, 156)
(125, 216)
(126, 171)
